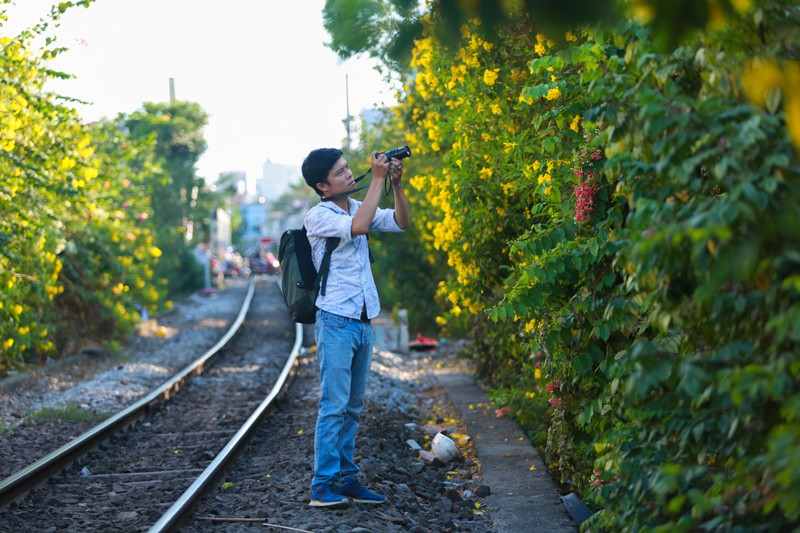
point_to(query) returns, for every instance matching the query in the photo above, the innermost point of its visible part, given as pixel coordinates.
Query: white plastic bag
(444, 448)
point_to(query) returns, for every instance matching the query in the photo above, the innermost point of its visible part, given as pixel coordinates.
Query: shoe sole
(330, 505)
(359, 500)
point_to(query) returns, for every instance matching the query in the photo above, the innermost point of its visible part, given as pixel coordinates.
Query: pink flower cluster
(586, 189)
(585, 192)
(555, 401)
(502, 412)
(598, 480)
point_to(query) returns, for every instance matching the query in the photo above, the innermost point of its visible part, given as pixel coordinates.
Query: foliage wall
(627, 215)
(80, 240)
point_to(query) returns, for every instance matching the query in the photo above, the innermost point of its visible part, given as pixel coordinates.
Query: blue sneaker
(325, 497)
(353, 490)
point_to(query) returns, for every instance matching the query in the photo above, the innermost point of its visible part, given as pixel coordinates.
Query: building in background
(220, 231)
(283, 217)
(255, 217)
(276, 179)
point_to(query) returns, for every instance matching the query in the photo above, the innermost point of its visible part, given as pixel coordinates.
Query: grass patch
(70, 413)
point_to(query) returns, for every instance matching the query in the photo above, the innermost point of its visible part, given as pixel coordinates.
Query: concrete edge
(523, 496)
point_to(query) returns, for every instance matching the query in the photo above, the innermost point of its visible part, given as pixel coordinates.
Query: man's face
(339, 179)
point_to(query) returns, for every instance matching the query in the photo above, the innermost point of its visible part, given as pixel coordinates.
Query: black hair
(317, 164)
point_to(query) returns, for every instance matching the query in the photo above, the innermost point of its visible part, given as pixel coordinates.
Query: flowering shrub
(656, 276)
(76, 249)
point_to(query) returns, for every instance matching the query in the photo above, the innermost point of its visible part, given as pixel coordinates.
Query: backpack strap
(371, 259)
(322, 277)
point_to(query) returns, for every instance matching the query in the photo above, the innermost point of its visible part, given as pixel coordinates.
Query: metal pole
(348, 118)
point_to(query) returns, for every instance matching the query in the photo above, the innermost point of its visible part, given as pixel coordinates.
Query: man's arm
(402, 214)
(366, 211)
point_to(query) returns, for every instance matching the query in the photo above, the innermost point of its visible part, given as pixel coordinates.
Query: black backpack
(300, 281)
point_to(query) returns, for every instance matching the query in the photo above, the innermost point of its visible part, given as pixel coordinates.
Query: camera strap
(387, 189)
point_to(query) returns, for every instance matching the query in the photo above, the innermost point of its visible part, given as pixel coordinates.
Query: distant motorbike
(264, 264)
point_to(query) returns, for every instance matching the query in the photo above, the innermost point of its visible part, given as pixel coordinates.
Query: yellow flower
(642, 12)
(742, 6)
(89, 173)
(575, 124)
(508, 146)
(792, 109)
(453, 298)
(8, 343)
(760, 79)
(155, 251)
(570, 37)
(792, 105)
(486, 173)
(490, 76)
(537, 373)
(17, 309)
(553, 93)
(540, 49)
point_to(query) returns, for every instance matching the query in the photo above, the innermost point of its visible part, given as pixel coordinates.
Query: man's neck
(343, 202)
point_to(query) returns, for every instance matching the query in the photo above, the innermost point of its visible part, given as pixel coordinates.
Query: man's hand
(396, 172)
(379, 165)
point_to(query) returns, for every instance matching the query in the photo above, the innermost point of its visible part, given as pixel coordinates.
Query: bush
(630, 212)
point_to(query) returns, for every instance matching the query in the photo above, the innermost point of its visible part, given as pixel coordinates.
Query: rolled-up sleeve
(322, 222)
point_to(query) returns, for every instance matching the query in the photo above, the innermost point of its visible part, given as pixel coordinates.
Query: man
(343, 332)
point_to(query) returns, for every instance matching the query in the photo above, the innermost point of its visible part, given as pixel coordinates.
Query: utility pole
(172, 90)
(348, 119)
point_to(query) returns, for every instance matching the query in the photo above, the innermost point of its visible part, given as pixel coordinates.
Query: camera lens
(399, 153)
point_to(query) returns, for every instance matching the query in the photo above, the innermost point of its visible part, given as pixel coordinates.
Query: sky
(259, 68)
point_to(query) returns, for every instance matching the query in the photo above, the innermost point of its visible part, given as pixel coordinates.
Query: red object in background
(264, 263)
(423, 343)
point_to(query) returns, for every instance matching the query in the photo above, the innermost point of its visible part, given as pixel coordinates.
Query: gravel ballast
(405, 408)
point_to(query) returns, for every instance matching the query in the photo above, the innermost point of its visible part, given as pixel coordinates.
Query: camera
(398, 153)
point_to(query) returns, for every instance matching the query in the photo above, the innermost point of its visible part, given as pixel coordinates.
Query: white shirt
(350, 285)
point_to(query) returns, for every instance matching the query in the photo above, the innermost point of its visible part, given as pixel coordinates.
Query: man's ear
(322, 186)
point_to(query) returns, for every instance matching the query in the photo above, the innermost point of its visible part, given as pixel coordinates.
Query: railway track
(144, 468)
(139, 479)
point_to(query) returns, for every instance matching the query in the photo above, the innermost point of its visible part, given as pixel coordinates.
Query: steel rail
(19, 483)
(185, 504)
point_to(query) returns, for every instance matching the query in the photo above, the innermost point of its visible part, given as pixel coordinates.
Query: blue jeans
(344, 352)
